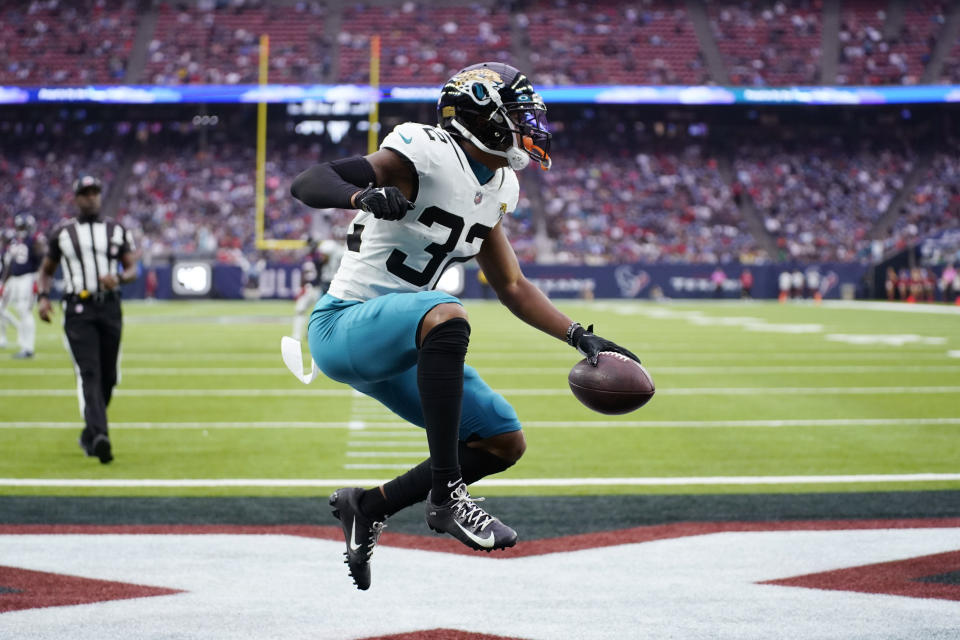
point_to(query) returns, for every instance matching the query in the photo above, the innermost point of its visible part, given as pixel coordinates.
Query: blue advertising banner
(681, 281)
(606, 94)
(638, 281)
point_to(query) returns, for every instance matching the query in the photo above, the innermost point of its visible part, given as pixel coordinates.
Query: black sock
(412, 487)
(440, 380)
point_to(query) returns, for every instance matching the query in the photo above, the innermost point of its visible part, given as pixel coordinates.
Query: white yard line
(681, 370)
(498, 482)
(950, 310)
(555, 391)
(387, 454)
(565, 354)
(374, 430)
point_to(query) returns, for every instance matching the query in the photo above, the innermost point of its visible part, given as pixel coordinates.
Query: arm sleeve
(331, 184)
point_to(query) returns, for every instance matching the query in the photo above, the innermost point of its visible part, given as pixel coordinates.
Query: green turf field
(749, 396)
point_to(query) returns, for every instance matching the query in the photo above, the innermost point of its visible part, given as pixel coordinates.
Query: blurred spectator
(746, 284)
(890, 285)
(950, 283)
(718, 277)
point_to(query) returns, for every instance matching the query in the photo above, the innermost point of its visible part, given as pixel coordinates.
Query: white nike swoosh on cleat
(353, 536)
(451, 485)
(486, 543)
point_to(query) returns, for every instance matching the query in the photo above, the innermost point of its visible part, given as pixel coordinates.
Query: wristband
(43, 294)
(572, 332)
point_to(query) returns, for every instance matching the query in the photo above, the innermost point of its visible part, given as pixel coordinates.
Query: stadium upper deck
(747, 42)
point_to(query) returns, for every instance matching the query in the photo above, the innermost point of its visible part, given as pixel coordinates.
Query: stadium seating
(421, 43)
(768, 43)
(612, 43)
(66, 43)
(932, 207)
(821, 200)
(761, 42)
(219, 44)
(868, 56)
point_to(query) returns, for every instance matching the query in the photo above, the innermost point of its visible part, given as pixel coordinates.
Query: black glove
(590, 345)
(385, 203)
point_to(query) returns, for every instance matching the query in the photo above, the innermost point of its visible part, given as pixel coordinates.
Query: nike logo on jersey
(354, 545)
(486, 543)
(405, 138)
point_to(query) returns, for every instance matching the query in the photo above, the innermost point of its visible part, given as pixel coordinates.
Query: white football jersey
(453, 215)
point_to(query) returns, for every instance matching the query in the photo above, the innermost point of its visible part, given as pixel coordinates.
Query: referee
(97, 257)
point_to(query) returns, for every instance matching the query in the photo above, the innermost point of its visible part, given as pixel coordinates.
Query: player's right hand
(385, 203)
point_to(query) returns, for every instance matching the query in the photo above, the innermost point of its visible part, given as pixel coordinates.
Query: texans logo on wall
(829, 281)
(631, 283)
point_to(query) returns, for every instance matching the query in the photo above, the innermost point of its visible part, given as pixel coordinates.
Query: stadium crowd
(820, 201)
(619, 192)
(768, 43)
(761, 42)
(668, 205)
(932, 207)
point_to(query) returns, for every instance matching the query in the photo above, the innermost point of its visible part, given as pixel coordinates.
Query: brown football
(616, 385)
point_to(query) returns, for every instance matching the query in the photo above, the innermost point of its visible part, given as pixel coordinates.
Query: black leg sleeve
(412, 487)
(440, 380)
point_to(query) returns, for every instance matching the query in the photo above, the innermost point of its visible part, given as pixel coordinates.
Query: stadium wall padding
(640, 281)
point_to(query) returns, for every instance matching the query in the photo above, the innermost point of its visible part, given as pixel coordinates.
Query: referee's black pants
(93, 330)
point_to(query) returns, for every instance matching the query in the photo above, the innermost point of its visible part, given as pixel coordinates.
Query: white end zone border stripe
(519, 482)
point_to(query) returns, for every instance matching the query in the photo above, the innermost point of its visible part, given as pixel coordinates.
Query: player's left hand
(385, 203)
(590, 345)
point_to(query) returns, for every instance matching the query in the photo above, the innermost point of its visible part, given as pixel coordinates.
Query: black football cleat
(99, 448)
(360, 532)
(468, 523)
(102, 449)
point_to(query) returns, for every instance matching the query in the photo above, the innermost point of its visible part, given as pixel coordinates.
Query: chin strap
(516, 158)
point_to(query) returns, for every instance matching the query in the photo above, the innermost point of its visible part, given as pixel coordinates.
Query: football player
(309, 291)
(429, 197)
(21, 261)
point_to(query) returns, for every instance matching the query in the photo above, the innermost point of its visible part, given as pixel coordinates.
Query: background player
(430, 196)
(316, 273)
(21, 261)
(309, 290)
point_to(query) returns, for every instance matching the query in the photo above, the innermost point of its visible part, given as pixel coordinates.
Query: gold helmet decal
(482, 85)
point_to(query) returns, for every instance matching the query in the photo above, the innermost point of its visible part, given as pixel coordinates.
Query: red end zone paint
(445, 544)
(25, 589)
(898, 578)
(440, 634)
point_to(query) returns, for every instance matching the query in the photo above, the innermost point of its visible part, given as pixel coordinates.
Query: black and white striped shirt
(87, 250)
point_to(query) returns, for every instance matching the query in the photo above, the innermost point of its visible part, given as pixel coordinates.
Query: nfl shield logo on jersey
(477, 198)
